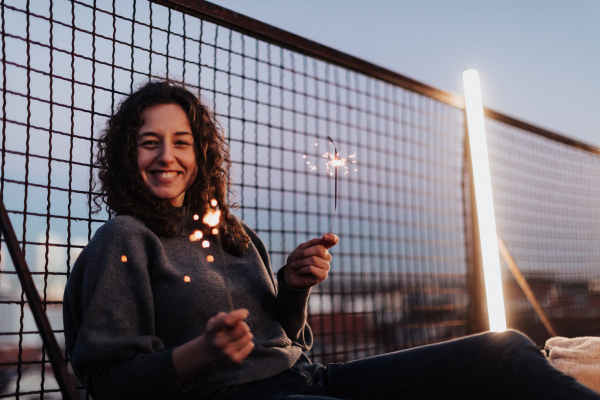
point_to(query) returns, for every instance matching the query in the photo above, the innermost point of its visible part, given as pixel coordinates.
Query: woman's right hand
(228, 336)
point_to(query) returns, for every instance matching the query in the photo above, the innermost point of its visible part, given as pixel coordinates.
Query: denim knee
(510, 343)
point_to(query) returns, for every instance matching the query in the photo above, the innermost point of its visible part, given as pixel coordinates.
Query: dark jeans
(503, 365)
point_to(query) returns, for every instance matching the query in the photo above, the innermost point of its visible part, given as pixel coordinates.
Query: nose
(166, 154)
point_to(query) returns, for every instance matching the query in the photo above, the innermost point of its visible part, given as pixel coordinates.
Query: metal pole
(512, 265)
(35, 304)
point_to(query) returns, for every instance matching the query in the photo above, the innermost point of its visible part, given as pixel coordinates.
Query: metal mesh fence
(547, 201)
(398, 278)
(398, 275)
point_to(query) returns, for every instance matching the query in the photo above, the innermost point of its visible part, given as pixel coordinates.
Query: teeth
(165, 175)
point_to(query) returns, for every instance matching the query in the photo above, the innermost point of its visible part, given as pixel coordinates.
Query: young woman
(151, 314)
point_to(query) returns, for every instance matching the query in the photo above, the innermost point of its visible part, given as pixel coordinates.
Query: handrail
(260, 30)
(35, 305)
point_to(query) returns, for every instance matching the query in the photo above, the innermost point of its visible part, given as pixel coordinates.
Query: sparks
(332, 162)
(205, 244)
(211, 218)
(186, 278)
(196, 217)
(124, 258)
(195, 236)
(213, 203)
(329, 163)
(210, 258)
(215, 231)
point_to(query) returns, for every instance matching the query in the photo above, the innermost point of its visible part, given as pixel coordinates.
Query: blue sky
(539, 60)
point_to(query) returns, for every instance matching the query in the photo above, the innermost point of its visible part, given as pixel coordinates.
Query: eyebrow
(149, 133)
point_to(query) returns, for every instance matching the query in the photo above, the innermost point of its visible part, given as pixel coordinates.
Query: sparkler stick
(212, 218)
(336, 179)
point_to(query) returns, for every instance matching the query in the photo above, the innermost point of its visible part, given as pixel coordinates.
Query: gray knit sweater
(123, 319)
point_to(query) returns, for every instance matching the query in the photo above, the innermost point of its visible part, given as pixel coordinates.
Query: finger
(312, 271)
(241, 342)
(232, 318)
(313, 260)
(330, 240)
(239, 356)
(314, 251)
(312, 277)
(310, 243)
(238, 332)
(223, 320)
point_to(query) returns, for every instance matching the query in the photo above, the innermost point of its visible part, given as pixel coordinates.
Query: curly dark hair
(120, 185)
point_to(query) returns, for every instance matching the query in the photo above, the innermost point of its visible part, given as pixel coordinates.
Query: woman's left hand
(309, 263)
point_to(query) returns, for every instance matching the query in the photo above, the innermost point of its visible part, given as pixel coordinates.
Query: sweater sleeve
(109, 317)
(292, 304)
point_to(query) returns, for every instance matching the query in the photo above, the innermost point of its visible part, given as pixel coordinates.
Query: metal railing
(404, 273)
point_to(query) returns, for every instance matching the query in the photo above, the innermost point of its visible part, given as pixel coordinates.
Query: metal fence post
(37, 309)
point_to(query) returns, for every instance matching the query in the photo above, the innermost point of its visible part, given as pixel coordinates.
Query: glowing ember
(215, 231)
(205, 244)
(124, 258)
(212, 217)
(304, 156)
(210, 258)
(197, 235)
(196, 217)
(186, 278)
(213, 203)
(337, 162)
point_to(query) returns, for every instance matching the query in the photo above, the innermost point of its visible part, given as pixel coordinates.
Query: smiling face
(165, 152)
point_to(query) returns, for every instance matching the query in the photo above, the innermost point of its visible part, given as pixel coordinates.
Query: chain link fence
(399, 275)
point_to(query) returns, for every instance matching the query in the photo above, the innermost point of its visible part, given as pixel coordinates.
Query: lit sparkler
(334, 162)
(212, 218)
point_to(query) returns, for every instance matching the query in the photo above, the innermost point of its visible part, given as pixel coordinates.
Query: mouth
(165, 175)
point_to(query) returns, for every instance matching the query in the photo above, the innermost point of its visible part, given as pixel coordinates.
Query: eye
(183, 143)
(150, 142)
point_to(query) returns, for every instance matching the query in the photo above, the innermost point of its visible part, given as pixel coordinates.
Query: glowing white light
(196, 235)
(205, 244)
(212, 218)
(213, 202)
(484, 200)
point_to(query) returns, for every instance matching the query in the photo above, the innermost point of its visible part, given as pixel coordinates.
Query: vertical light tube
(485, 202)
